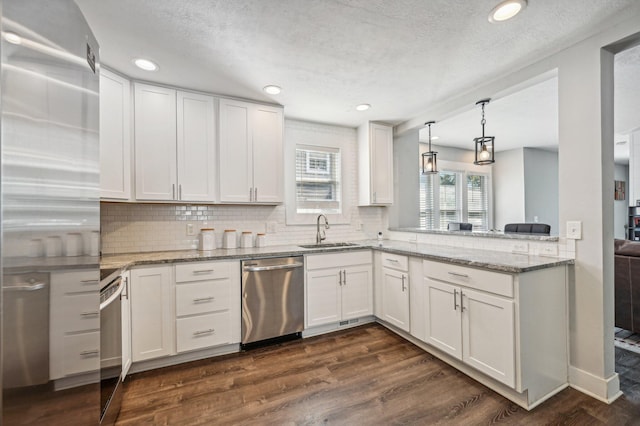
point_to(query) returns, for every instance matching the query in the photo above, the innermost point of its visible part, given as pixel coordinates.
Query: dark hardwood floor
(362, 376)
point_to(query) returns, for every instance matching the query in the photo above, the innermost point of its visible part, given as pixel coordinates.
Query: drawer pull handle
(89, 314)
(89, 353)
(455, 300)
(456, 274)
(393, 260)
(203, 299)
(203, 271)
(403, 287)
(200, 333)
(90, 281)
(462, 308)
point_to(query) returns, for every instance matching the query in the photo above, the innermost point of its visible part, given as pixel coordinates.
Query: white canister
(229, 239)
(261, 240)
(73, 245)
(53, 246)
(246, 239)
(207, 240)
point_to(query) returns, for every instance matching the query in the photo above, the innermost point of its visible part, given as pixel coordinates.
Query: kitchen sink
(328, 245)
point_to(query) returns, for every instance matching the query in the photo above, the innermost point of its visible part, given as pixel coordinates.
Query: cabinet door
(267, 154)
(395, 298)
(443, 317)
(488, 335)
(323, 297)
(381, 164)
(125, 300)
(357, 292)
(196, 148)
(236, 160)
(115, 136)
(155, 142)
(152, 313)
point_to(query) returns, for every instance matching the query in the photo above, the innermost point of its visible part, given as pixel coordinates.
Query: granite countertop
(493, 260)
(482, 234)
(46, 264)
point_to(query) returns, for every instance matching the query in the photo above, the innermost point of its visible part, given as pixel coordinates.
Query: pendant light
(484, 144)
(429, 160)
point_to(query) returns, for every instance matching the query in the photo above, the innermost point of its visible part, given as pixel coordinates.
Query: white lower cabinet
(511, 328)
(152, 312)
(475, 327)
(338, 287)
(395, 290)
(207, 304)
(75, 323)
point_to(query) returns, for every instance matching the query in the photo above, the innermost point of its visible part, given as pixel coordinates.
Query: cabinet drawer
(338, 259)
(395, 261)
(75, 281)
(78, 312)
(203, 331)
(198, 271)
(490, 281)
(81, 353)
(203, 296)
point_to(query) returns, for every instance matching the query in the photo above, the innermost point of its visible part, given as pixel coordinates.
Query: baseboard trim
(605, 390)
(140, 366)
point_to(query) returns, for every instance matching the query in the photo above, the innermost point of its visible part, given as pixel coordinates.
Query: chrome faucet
(320, 235)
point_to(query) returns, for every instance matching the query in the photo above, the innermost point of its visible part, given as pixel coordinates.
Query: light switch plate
(574, 230)
(190, 230)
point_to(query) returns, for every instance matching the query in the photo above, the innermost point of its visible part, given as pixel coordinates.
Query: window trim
(325, 140)
(464, 169)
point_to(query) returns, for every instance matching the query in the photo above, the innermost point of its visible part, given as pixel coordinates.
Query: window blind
(318, 180)
(478, 201)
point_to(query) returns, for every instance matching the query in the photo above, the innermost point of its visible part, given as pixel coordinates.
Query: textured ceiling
(329, 55)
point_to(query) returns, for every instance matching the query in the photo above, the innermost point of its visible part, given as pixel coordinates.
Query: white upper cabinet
(155, 143)
(375, 164)
(251, 153)
(115, 136)
(196, 148)
(174, 145)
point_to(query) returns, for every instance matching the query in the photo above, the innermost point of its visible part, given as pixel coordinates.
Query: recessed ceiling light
(506, 10)
(363, 107)
(12, 38)
(145, 64)
(272, 89)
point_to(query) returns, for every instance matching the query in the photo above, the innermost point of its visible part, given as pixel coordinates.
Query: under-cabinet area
(505, 327)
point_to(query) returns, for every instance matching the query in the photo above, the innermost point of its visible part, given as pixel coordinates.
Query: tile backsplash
(128, 227)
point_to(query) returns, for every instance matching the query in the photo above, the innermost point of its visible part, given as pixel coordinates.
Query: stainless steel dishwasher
(272, 300)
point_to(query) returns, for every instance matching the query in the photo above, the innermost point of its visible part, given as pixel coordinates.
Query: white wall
(621, 207)
(541, 187)
(634, 168)
(508, 188)
(406, 181)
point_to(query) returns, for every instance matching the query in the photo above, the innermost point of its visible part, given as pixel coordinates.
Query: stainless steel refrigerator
(49, 101)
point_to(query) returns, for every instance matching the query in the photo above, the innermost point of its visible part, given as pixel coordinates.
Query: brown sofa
(627, 284)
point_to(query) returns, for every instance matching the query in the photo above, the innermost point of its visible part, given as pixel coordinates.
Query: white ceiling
(330, 55)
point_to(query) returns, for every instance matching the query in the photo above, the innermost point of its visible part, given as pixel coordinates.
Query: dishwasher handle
(273, 267)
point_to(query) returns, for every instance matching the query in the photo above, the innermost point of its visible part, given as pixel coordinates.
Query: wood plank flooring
(361, 376)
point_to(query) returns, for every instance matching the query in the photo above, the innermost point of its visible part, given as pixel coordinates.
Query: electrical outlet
(190, 230)
(551, 251)
(574, 230)
(520, 248)
(271, 227)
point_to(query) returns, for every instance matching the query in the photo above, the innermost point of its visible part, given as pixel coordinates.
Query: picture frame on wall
(619, 190)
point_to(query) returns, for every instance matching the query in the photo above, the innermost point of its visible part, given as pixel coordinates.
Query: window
(318, 180)
(455, 196)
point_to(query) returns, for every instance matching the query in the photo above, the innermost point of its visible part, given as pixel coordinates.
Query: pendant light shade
(484, 145)
(429, 158)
